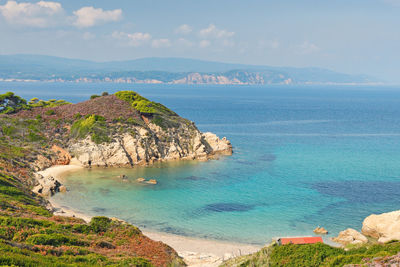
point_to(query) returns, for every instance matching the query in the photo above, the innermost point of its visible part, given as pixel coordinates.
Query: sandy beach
(195, 251)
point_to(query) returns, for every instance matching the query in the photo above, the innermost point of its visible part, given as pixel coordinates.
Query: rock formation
(350, 236)
(47, 186)
(320, 231)
(146, 146)
(384, 227)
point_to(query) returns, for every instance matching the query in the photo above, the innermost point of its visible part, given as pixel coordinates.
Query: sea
(303, 156)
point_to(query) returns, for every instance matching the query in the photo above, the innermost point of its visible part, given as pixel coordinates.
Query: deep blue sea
(304, 156)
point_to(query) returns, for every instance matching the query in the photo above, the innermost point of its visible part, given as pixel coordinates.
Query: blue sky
(350, 36)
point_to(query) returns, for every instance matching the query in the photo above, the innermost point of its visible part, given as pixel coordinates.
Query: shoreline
(195, 251)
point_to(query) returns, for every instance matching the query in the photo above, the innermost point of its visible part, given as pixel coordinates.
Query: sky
(351, 36)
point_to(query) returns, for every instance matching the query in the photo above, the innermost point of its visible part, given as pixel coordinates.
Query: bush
(8, 130)
(94, 96)
(50, 112)
(100, 224)
(36, 102)
(54, 240)
(92, 124)
(143, 105)
(104, 94)
(81, 228)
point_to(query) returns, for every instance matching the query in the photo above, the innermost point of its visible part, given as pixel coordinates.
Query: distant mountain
(163, 70)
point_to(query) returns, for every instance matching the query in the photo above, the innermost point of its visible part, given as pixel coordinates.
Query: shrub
(8, 130)
(104, 94)
(81, 228)
(143, 105)
(33, 137)
(54, 240)
(100, 224)
(94, 96)
(50, 112)
(77, 116)
(36, 102)
(92, 124)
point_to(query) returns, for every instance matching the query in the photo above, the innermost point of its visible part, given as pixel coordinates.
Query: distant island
(27, 68)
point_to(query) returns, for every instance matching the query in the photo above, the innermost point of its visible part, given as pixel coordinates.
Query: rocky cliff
(146, 145)
(124, 129)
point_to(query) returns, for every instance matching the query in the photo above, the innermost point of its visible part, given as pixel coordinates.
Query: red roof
(301, 240)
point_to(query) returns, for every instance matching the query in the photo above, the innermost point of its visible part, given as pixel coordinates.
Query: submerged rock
(384, 227)
(63, 189)
(350, 236)
(320, 231)
(140, 179)
(152, 181)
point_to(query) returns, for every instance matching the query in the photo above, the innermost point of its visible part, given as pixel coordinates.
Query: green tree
(10, 103)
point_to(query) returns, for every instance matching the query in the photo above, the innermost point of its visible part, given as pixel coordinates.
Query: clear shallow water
(303, 157)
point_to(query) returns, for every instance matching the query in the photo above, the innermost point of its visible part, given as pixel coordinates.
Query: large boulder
(350, 236)
(384, 227)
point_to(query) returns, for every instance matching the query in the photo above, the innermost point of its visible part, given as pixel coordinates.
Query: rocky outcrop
(58, 156)
(146, 145)
(320, 231)
(384, 227)
(47, 186)
(62, 156)
(350, 236)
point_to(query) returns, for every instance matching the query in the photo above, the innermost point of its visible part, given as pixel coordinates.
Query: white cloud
(133, 39)
(183, 29)
(184, 42)
(41, 14)
(307, 48)
(204, 43)
(90, 16)
(158, 43)
(212, 32)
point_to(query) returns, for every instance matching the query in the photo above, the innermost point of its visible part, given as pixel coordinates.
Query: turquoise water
(303, 157)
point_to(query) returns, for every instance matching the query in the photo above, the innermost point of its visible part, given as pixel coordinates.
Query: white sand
(195, 251)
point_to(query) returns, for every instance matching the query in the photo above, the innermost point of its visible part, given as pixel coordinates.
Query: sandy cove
(195, 251)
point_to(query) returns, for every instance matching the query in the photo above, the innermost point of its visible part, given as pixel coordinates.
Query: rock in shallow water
(320, 231)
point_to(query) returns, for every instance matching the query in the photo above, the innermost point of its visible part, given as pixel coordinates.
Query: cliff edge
(124, 129)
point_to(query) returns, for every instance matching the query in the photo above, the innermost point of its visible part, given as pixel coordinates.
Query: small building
(300, 240)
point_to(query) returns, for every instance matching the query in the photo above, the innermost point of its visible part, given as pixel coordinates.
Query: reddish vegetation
(109, 107)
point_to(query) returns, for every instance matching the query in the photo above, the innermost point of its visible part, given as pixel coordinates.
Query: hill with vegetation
(30, 235)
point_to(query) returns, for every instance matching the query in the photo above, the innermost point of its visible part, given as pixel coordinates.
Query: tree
(10, 103)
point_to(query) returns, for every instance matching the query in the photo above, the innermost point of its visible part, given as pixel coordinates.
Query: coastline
(195, 251)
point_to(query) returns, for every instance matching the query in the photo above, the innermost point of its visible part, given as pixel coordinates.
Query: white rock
(350, 236)
(385, 227)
